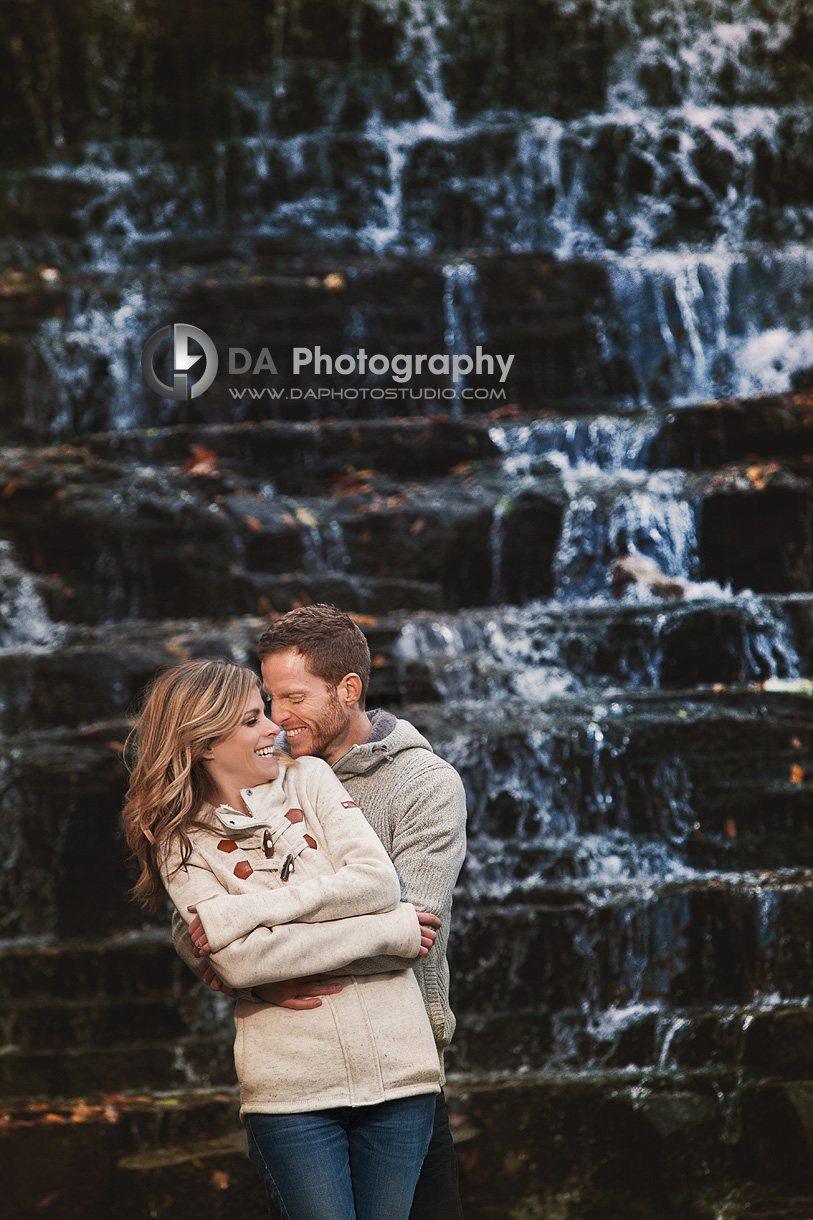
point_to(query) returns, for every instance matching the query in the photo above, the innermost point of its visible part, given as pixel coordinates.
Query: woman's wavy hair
(185, 710)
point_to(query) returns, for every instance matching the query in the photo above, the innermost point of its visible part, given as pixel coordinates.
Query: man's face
(306, 707)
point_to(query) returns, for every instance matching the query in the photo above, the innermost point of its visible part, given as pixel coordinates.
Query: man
(316, 667)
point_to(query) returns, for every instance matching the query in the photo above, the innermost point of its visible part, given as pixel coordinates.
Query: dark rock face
(619, 198)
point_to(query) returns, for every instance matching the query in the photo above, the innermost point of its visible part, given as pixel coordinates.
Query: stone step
(660, 765)
(187, 1061)
(707, 940)
(137, 968)
(544, 649)
(342, 75)
(703, 779)
(59, 1024)
(75, 1159)
(78, 371)
(61, 1158)
(307, 458)
(651, 1144)
(747, 1043)
(290, 194)
(115, 542)
(540, 651)
(545, 950)
(707, 435)
(112, 541)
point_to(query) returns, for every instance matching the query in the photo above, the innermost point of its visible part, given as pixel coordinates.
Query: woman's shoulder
(305, 773)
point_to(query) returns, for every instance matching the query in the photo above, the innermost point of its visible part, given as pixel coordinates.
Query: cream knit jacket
(416, 803)
(289, 891)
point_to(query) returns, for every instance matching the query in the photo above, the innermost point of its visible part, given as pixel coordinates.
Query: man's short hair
(331, 643)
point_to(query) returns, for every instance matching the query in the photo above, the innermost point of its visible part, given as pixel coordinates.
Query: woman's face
(244, 758)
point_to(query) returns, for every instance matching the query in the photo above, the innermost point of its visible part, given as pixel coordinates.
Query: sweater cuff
(411, 945)
(230, 917)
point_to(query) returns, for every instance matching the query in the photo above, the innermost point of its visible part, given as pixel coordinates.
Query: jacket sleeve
(291, 950)
(364, 883)
(428, 849)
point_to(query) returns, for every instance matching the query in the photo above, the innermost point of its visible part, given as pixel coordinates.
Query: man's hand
(429, 930)
(297, 993)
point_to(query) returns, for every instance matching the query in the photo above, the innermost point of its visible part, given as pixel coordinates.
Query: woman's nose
(272, 725)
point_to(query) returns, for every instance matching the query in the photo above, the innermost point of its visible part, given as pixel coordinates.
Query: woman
(281, 875)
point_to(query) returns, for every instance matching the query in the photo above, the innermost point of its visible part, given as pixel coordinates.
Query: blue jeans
(437, 1195)
(348, 1163)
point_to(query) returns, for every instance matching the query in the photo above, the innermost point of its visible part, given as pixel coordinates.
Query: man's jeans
(347, 1163)
(437, 1195)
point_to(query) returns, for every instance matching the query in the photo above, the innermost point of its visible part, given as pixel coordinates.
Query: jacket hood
(389, 737)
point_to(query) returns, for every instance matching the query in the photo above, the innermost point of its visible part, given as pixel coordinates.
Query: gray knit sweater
(416, 804)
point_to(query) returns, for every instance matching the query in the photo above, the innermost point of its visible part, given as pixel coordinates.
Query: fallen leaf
(351, 484)
(48, 1200)
(758, 476)
(730, 828)
(253, 524)
(10, 488)
(203, 461)
(797, 774)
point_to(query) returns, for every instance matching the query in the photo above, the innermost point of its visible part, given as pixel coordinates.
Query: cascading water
(668, 184)
(593, 598)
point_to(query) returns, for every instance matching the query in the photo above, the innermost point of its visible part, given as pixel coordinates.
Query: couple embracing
(336, 856)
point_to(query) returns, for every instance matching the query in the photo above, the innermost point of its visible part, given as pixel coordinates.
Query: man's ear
(350, 689)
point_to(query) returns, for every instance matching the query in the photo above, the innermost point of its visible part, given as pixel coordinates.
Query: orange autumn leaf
(10, 488)
(797, 774)
(203, 461)
(759, 475)
(253, 524)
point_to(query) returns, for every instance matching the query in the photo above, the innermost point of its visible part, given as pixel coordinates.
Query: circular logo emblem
(182, 359)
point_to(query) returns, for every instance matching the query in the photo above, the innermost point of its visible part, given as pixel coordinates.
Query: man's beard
(329, 729)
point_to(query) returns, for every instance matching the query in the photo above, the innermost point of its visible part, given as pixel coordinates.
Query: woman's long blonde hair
(186, 708)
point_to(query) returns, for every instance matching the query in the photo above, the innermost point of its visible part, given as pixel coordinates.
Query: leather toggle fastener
(287, 865)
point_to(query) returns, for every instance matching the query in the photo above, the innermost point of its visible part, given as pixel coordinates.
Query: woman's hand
(429, 930)
(200, 944)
